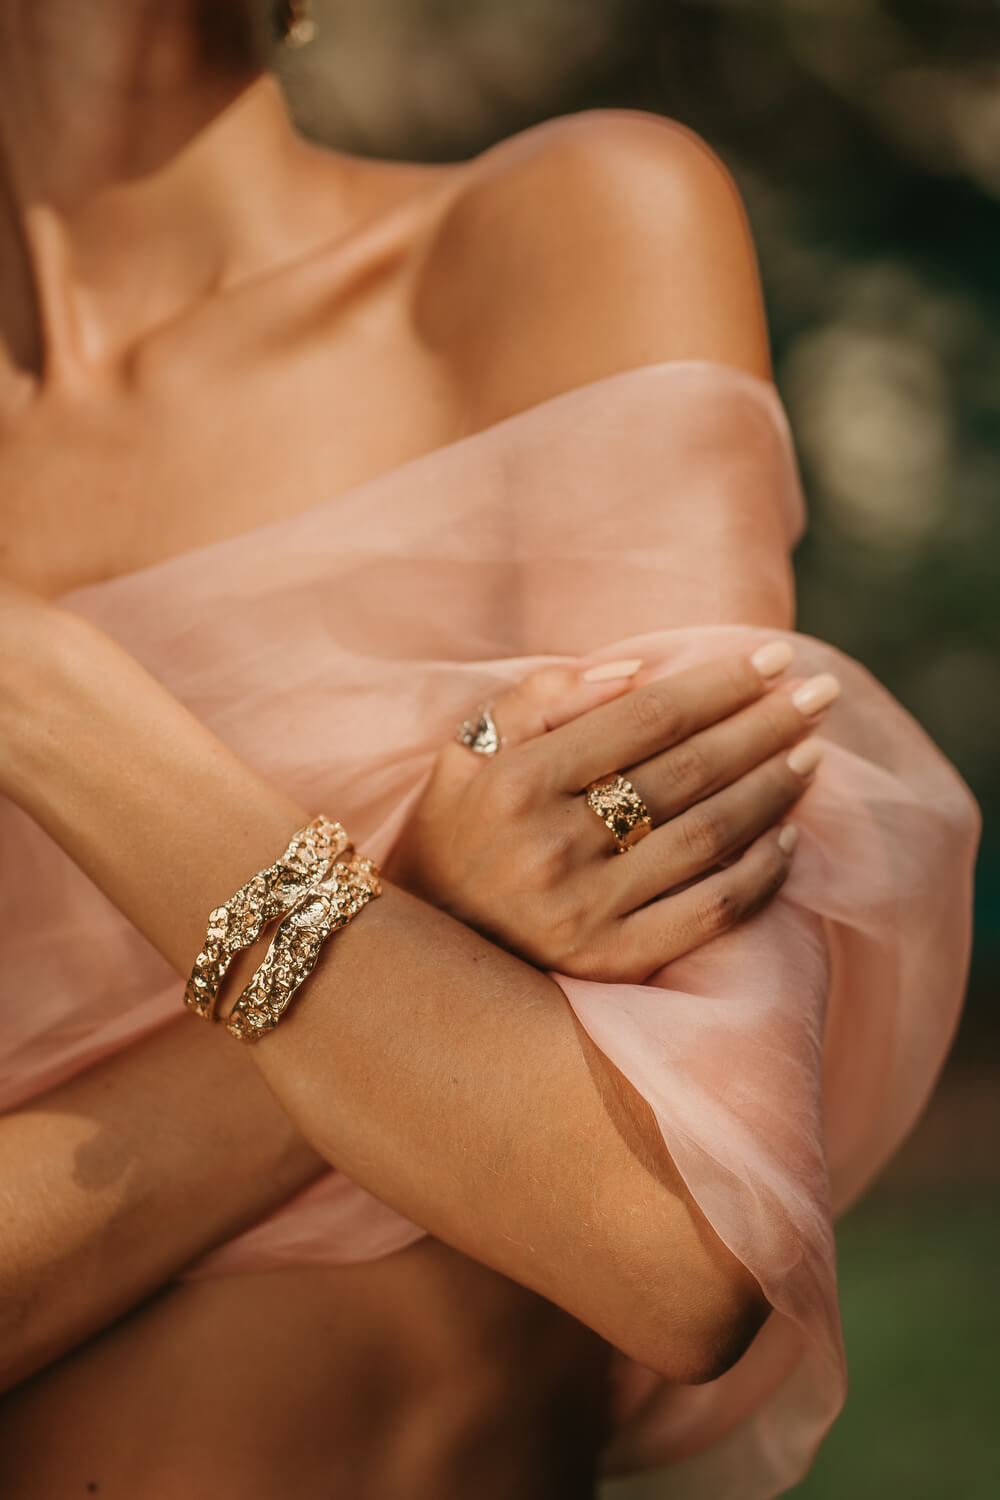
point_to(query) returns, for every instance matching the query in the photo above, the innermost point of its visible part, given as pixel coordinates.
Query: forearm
(444, 1075)
(112, 1183)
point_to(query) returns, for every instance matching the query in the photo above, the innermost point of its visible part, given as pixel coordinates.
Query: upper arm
(592, 245)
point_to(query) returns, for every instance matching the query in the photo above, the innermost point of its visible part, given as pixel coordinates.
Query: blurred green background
(865, 137)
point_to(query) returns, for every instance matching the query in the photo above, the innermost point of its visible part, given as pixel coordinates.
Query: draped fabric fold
(650, 514)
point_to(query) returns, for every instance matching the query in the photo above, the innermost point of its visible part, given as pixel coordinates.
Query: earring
(293, 23)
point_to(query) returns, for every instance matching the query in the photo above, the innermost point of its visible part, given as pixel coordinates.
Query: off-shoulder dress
(336, 650)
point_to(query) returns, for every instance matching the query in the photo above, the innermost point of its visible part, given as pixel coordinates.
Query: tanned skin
(207, 324)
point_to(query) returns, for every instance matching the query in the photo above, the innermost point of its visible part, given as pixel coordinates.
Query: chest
(209, 435)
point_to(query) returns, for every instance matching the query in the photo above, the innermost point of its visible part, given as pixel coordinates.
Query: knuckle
(740, 678)
(776, 724)
(720, 908)
(534, 873)
(539, 873)
(512, 787)
(547, 685)
(595, 960)
(705, 835)
(623, 957)
(580, 961)
(687, 766)
(772, 873)
(551, 855)
(773, 787)
(568, 941)
(758, 876)
(656, 709)
(577, 934)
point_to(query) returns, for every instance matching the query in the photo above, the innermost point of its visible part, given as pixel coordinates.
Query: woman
(337, 450)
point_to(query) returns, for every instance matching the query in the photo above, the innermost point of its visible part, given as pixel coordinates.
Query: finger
(694, 843)
(684, 920)
(553, 696)
(646, 721)
(718, 756)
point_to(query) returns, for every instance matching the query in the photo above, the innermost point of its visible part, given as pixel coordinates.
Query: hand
(509, 844)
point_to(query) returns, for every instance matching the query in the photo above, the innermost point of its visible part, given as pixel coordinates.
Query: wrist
(51, 671)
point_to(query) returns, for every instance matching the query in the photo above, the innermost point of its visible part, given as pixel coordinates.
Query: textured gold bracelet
(297, 944)
(269, 894)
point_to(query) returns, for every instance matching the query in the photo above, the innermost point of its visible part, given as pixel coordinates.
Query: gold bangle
(296, 945)
(620, 808)
(269, 894)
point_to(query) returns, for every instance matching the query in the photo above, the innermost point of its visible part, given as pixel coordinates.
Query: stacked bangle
(271, 893)
(296, 945)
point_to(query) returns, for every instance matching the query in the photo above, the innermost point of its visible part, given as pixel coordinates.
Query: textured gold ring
(619, 806)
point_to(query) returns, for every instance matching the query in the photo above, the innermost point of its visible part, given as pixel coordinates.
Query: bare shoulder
(588, 245)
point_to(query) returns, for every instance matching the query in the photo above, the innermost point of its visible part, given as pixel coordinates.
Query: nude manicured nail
(816, 694)
(805, 757)
(771, 659)
(609, 670)
(788, 838)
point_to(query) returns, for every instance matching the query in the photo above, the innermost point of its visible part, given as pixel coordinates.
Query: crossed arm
(439, 1071)
(436, 1069)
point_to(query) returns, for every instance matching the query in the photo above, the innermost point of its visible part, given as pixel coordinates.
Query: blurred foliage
(921, 1322)
(865, 137)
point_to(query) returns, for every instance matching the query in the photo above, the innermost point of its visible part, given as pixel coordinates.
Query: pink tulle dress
(649, 514)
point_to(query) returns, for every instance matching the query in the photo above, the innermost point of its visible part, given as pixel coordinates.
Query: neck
(145, 161)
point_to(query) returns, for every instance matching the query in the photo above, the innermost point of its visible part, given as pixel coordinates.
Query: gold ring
(618, 805)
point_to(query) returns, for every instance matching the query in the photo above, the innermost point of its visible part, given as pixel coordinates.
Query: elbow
(740, 1312)
(14, 1365)
(27, 1344)
(695, 1337)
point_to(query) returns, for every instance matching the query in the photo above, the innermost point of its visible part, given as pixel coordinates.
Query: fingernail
(608, 670)
(788, 838)
(771, 659)
(816, 694)
(805, 757)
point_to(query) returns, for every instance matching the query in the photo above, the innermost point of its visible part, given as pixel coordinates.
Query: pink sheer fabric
(649, 514)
